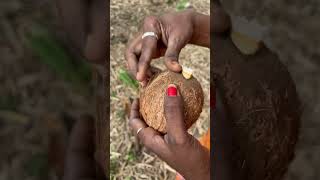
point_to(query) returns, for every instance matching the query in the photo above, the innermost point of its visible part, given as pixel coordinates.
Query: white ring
(153, 34)
(139, 130)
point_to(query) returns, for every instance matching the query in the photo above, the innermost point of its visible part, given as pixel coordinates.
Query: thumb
(173, 110)
(172, 54)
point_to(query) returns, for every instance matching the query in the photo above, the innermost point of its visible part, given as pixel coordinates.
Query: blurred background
(43, 88)
(129, 161)
(293, 27)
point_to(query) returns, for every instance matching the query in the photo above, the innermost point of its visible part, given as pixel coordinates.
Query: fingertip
(135, 102)
(172, 90)
(141, 76)
(134, 113)
(173, 65)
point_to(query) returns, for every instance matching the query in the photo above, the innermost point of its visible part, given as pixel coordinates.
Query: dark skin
(172, 147)
(175, 30)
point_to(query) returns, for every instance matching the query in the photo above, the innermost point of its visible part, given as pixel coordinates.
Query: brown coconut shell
(152, 99)
(263, 106)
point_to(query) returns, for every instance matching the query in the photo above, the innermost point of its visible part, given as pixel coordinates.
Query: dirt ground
(126, 18)
(293, 27)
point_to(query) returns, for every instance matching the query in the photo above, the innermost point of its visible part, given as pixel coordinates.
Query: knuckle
(171, 104)
(147, 51)
(143, 138)
(170, 109)
(181, 141)
(156, 140)
(143, 62)
(150, 21)
(147, 143)
(130, 50)
(149, 140)
(172, 54)
(132, 121)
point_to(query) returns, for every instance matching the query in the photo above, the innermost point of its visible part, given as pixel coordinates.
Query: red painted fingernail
(172, 90)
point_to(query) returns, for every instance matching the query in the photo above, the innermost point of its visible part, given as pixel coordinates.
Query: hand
(175, 31)
(177, 148)
(80, 162)
(86, 26)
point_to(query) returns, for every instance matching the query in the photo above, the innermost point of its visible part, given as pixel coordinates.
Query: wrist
(201, 30)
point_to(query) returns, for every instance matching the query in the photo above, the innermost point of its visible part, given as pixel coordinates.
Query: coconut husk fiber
(152, 99)
(264, 108)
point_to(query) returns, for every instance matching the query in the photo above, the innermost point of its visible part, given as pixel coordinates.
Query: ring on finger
(139, 130)
(152, 34)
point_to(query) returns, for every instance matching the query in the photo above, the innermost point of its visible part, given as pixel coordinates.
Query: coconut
(263, 106)
(152, 99)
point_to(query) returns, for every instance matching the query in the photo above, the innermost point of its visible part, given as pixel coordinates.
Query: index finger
(134, 113)
(149, 45)
(131, 55)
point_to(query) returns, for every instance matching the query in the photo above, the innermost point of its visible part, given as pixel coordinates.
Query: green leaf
(126, 79)
(131, 156)
(182, 4)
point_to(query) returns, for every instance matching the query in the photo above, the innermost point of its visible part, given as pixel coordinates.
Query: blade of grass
(182, 4)
(126, 79)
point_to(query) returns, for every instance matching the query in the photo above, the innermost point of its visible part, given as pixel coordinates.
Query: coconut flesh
(152, 99)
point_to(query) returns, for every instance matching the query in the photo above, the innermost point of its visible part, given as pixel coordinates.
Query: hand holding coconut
(170, 33)
(178, 148)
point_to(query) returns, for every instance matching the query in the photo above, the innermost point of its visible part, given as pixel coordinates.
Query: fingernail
(172, 90)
